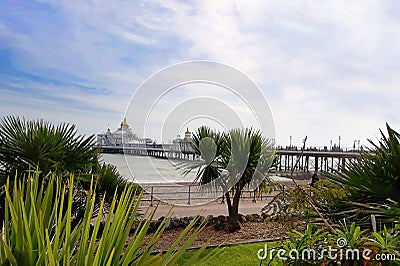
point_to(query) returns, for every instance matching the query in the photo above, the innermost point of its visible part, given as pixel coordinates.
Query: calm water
(149, 172)
(152, 170)
(147, 169)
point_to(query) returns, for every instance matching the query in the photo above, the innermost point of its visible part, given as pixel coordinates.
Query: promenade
(214, 208)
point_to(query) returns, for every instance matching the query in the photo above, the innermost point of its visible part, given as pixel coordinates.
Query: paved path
(213, 208)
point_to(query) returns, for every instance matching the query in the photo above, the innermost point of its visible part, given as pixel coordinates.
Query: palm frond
(31, 144)
(373, 182)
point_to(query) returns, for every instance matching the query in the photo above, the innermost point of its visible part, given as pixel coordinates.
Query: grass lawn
(242, 254)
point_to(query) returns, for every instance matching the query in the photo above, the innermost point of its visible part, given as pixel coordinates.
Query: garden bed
(250, 232)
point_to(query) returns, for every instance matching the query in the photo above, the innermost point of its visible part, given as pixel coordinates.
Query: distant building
(184, 145)
(123, 136)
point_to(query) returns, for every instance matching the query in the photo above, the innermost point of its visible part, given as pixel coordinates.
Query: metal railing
(189, 194)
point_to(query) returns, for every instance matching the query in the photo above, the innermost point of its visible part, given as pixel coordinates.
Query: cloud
(327, 68)
(312, 60)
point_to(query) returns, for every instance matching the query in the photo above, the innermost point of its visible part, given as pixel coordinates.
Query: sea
(165, 180)
(143, 169)
(151, 170)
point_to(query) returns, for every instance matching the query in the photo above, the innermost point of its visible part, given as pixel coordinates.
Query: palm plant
(38, 231)
(27, 145)
(37, 145)
(108, 180)
(231, 161)
(372, 182)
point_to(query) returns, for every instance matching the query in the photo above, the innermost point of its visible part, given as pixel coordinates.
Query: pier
(162, 151)
(309, 160)
(124, 141)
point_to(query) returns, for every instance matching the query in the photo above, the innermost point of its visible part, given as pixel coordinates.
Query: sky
(326, 68)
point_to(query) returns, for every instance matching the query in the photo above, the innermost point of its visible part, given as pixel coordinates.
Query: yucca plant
(38, 228)
(372, 183)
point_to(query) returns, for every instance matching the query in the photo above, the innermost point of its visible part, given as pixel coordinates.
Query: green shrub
(290, 205)
(320, 247)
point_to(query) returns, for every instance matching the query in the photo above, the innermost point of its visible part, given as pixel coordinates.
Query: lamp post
(290, 142)
(339, 141)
